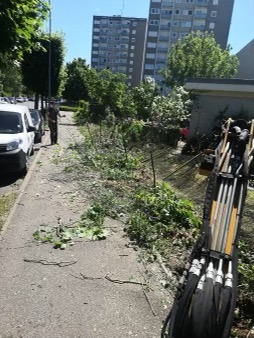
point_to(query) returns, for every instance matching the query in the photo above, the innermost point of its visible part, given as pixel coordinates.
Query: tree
(170, 110)
(10, 78)
(36, 62)
(198, 56)
(77, 78)
(143, 96)
(20, 21)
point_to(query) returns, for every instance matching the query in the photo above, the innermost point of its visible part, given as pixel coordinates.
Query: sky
(74, 19)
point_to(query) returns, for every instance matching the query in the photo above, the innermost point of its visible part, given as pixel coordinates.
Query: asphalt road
(80, 292)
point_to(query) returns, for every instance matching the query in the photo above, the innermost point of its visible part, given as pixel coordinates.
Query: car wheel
(32, 151)
(24, 171)
(39, 138)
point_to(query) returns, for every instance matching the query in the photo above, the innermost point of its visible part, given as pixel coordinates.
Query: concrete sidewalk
(40, 300)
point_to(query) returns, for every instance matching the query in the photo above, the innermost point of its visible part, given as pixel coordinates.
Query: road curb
(22, 190)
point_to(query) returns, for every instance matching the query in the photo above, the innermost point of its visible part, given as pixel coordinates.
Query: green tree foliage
(143, 96)
(170, 110)
(20, 21)
(36, 62)
(10, 79)
(77, 78)
(110, 90)
(198, 56)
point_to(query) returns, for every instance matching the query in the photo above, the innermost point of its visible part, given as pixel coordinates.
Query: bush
(68, 108)
(82, 112)
(159, 215)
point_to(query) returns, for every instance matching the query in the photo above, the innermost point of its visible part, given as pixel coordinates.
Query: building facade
(118, 44)
(170, 20)
(246, 62)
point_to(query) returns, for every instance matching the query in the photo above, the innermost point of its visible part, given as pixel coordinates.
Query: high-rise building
(118, 44)
(171, 20)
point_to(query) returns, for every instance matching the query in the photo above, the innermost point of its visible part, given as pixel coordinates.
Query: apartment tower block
(118, 44)
(170, 20)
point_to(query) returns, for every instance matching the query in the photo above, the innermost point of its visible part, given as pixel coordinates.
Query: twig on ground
(123, 281)
(59, 227)
(85, 277)
(44, 262)
(148, 301)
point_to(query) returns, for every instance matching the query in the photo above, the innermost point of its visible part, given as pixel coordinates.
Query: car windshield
(10, 123)
(35, 116)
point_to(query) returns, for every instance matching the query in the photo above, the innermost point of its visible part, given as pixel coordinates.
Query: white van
(16, 138)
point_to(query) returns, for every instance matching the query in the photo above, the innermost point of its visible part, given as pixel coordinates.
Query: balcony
(201, 4)
(166, 16)
(163, 38)
(164, 27)
(160, 61)
(125, 40)
(162, 49)
(198, 27)
(200, 15)
(125, 32)
(167, 4)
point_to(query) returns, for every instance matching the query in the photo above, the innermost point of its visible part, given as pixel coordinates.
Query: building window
(130, 70)
(95, 52)
(177, 12)
(178, 1)
(132, 47)
(215, 2)
(134, 31)
(174, 35)
(154, 22)
(151, 45)
(134, 23)
(131, 62)
(129, 84)
(211, 25)
(175, 23)
(97, 22)
(155, 11)
(186, 24)
(96, 37)
(156, 0)
(96, 29)
(150, 55)
(132, 55)
(213, 14)
(95, 45)
(130, 77)
(189, 1)
(187, 12)
(149, 66)
(133, 39)
(153, 34)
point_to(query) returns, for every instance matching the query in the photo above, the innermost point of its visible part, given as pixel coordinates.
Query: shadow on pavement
(8, 179)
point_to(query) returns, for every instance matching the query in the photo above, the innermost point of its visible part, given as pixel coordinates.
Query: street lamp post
(50, 55)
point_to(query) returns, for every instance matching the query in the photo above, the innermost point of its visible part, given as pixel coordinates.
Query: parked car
(12, 99)
(20, 99)
(16, 138)
(38, 122)
(2, 100)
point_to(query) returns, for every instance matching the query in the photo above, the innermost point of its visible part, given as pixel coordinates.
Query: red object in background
(183, 133)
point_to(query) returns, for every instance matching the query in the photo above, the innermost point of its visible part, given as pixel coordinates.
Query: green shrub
(133, 129)
(82, 112)
(68, 108)
(159, 214)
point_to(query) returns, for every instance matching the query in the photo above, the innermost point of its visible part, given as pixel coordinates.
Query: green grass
(6, 202)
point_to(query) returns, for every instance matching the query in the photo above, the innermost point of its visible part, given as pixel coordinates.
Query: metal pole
(50, 55)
